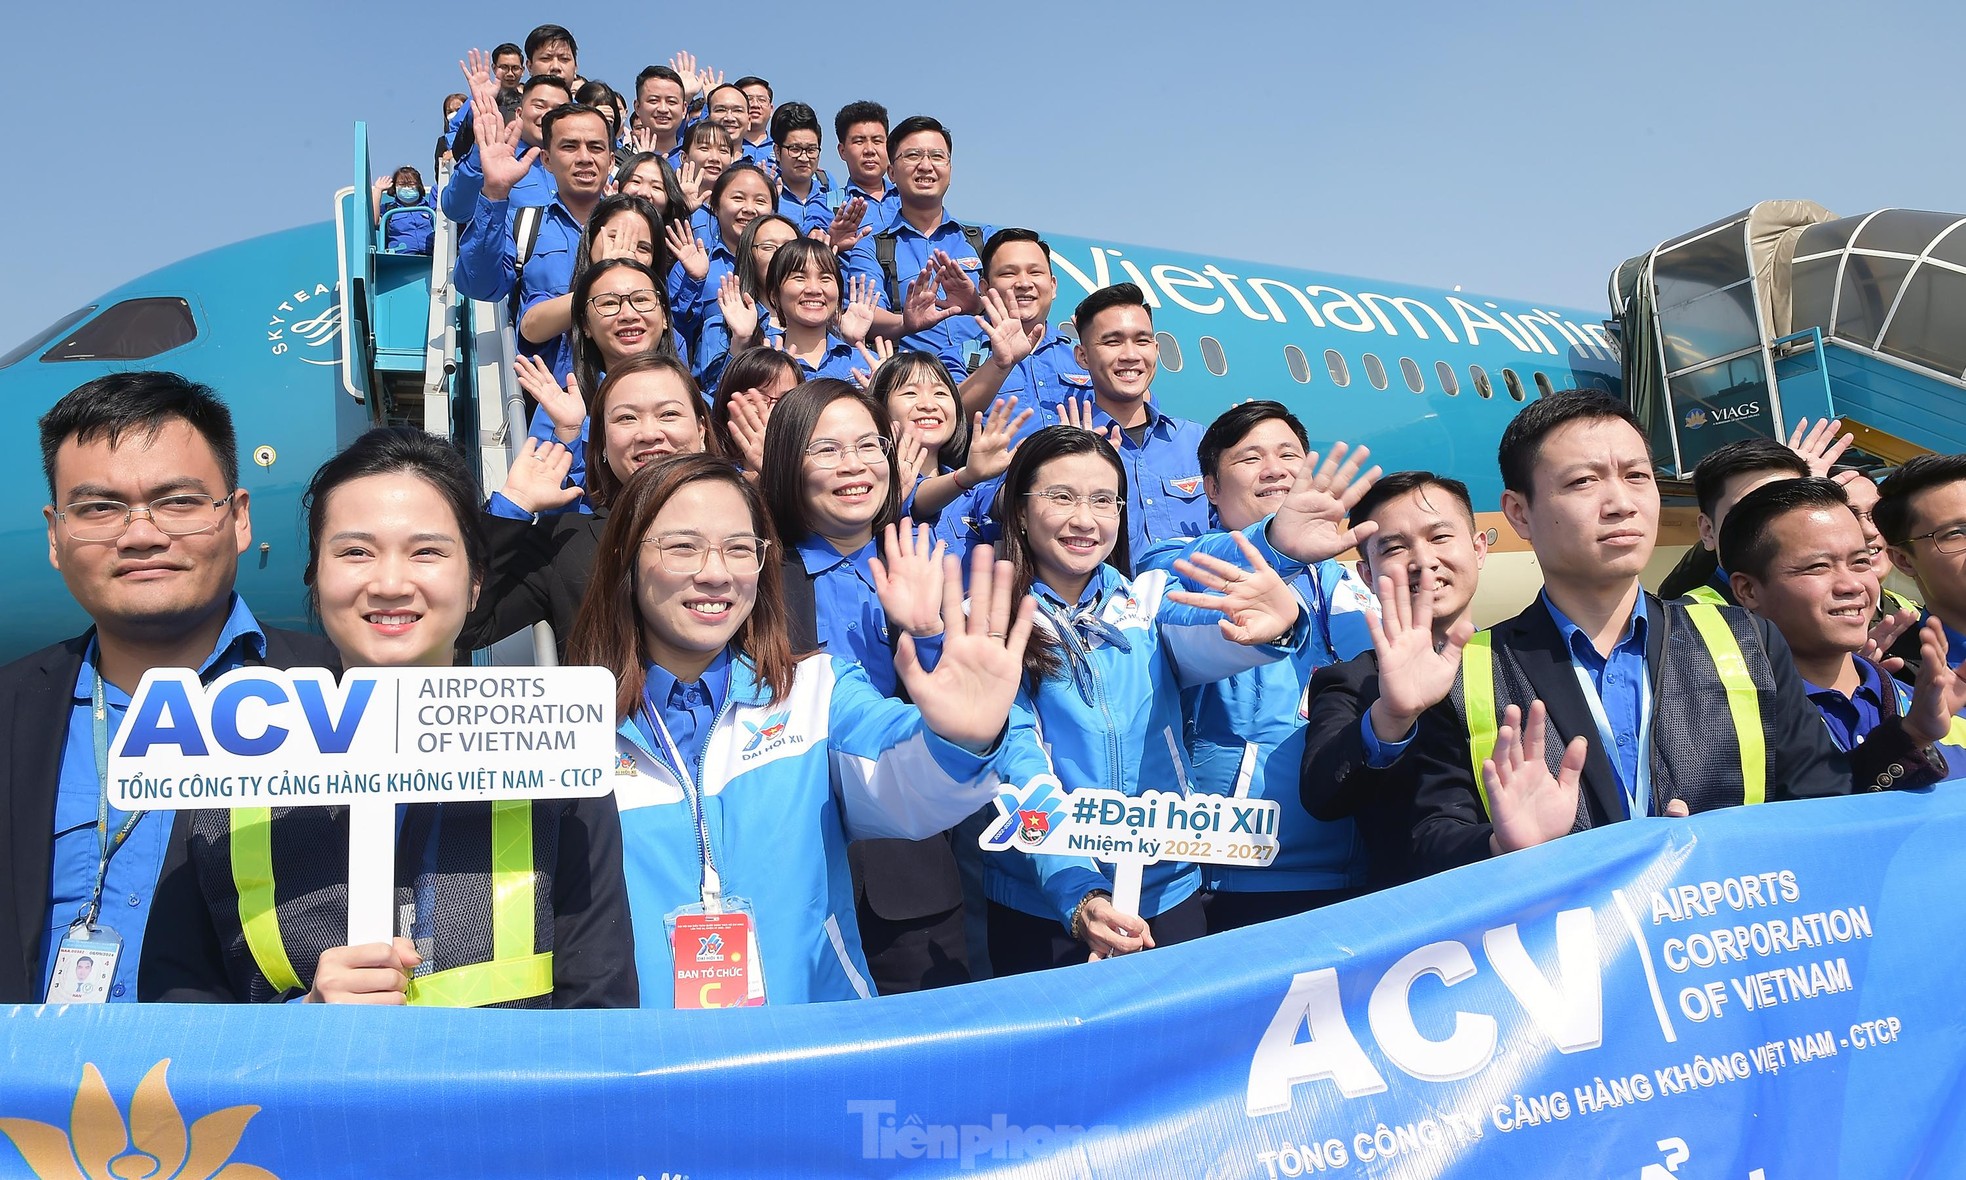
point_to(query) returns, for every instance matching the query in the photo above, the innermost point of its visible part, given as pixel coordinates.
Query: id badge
(85, 965)
(716, 957)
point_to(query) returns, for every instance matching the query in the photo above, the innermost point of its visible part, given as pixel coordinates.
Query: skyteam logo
(1032, 818)
(772, 729)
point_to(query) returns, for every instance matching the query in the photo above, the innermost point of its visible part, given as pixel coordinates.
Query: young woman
(753, 384)
(707, 150)
(411, 228)
(741, 195)
(803, 291)
(542, 555)
(395, 562)
(747, 770)
(648, 174)
(621, 227)
(1104, 677)
(951, 465)
(740, 298)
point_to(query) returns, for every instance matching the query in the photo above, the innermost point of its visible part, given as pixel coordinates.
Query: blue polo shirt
(764, 154)
(1164, 499)
(487, 254)
(131, 881)
(954, 339)
(880, 210)
(1850, 719)
(1621, 681)
(459, 200)
(852, 623)
(1042, 382)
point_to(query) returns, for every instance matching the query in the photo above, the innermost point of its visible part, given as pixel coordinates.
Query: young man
(1799, 559)
(488, 262)
(1117, 349)
(795, 139)
(535, 188)
(926, 265)
(1600, 702)
(757, 139)
(1026, 358)
(1921, 511)
(508, 67)
(146, 525)
(728, 108)
(662, 109)
(1719, 482)
(860, 129)
(1244, 738)
(1424, 558)
(551, 49)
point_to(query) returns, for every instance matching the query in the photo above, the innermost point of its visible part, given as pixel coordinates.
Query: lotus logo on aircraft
(154, 1142)
(309, 318)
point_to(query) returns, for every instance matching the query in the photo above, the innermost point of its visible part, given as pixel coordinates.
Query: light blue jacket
(1126, 737)
(1245, 732)
(785, 787)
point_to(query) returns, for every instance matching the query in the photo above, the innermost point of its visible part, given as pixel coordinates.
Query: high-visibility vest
(514, 972)
(1743, 700)
(1708, 593)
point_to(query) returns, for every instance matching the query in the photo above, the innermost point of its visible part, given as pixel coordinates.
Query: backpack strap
(884, 255)
(525, 236)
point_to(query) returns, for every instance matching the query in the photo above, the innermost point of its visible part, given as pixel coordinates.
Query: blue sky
(1520, 150)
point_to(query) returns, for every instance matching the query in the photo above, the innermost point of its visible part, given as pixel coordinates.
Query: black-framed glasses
(1950, 539)
(870, 451)
(182, 514)
(608, 306)
(809, 152)
(682, 553)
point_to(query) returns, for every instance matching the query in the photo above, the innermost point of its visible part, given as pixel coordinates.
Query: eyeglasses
(609, 306)
(1951, 539)
(870, 451)
(1064, 500)
(802, 153)
(683, 554)
(183, 515)
(914, 156)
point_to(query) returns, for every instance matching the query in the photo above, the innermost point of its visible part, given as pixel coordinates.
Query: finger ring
(996, 635)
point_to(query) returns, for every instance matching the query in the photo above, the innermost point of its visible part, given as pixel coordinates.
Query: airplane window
(1449, 383)
(1481, 384)
(131, 330)
(1341, 376)
(1213, 356)
(1375, 371)
(1514, 383)
(1543, 386)
(37, 341)
(1415, 380)
(1298, 364)
(1170, 351)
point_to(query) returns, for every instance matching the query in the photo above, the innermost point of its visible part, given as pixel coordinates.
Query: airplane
(316, 333)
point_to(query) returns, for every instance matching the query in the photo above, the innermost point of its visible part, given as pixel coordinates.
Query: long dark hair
(749, 280)
(586, 354)
(1012, 511)
(912, 364)
(738, 167)
(602, 483)
(673, 207)
(387, 450)
(788, 434)
(608, 630)
(754, 368)
(604, 212)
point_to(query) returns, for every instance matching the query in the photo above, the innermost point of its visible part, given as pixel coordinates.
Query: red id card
(716, 959)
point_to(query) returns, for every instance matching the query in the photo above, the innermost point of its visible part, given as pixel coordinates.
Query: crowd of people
(809, 453)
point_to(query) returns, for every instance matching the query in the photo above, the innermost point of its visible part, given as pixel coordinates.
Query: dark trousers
(1021, 942)
(915, 954)
(1233, 911)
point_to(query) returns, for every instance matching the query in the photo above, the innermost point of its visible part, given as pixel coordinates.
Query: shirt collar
(241, 639)
(662, 684)
(1579, 645)
(1869, 684)
(1096, 585)
(819, 556)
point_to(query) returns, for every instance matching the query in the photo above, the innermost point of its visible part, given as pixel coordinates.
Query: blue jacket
(1245, 732)
(785, 788)
(1126, 737)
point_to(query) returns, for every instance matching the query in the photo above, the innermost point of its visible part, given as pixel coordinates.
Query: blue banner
(1760, 994)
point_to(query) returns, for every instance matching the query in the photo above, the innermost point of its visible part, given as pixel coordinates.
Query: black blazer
(1451, 828)
(539, 574)
(37, 699)
(1337, 783)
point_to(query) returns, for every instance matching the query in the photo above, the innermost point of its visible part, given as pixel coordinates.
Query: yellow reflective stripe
(1708, 593)
(1743, 699)
(479, 985)
(1478, 691)
(252, 876)
(512, 880)
(1898, 601)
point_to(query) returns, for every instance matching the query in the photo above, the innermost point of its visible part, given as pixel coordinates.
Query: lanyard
(106, 845)
(713, 888)
(1638, 796)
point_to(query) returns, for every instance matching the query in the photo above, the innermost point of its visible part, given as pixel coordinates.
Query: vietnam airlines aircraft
(314, 334)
